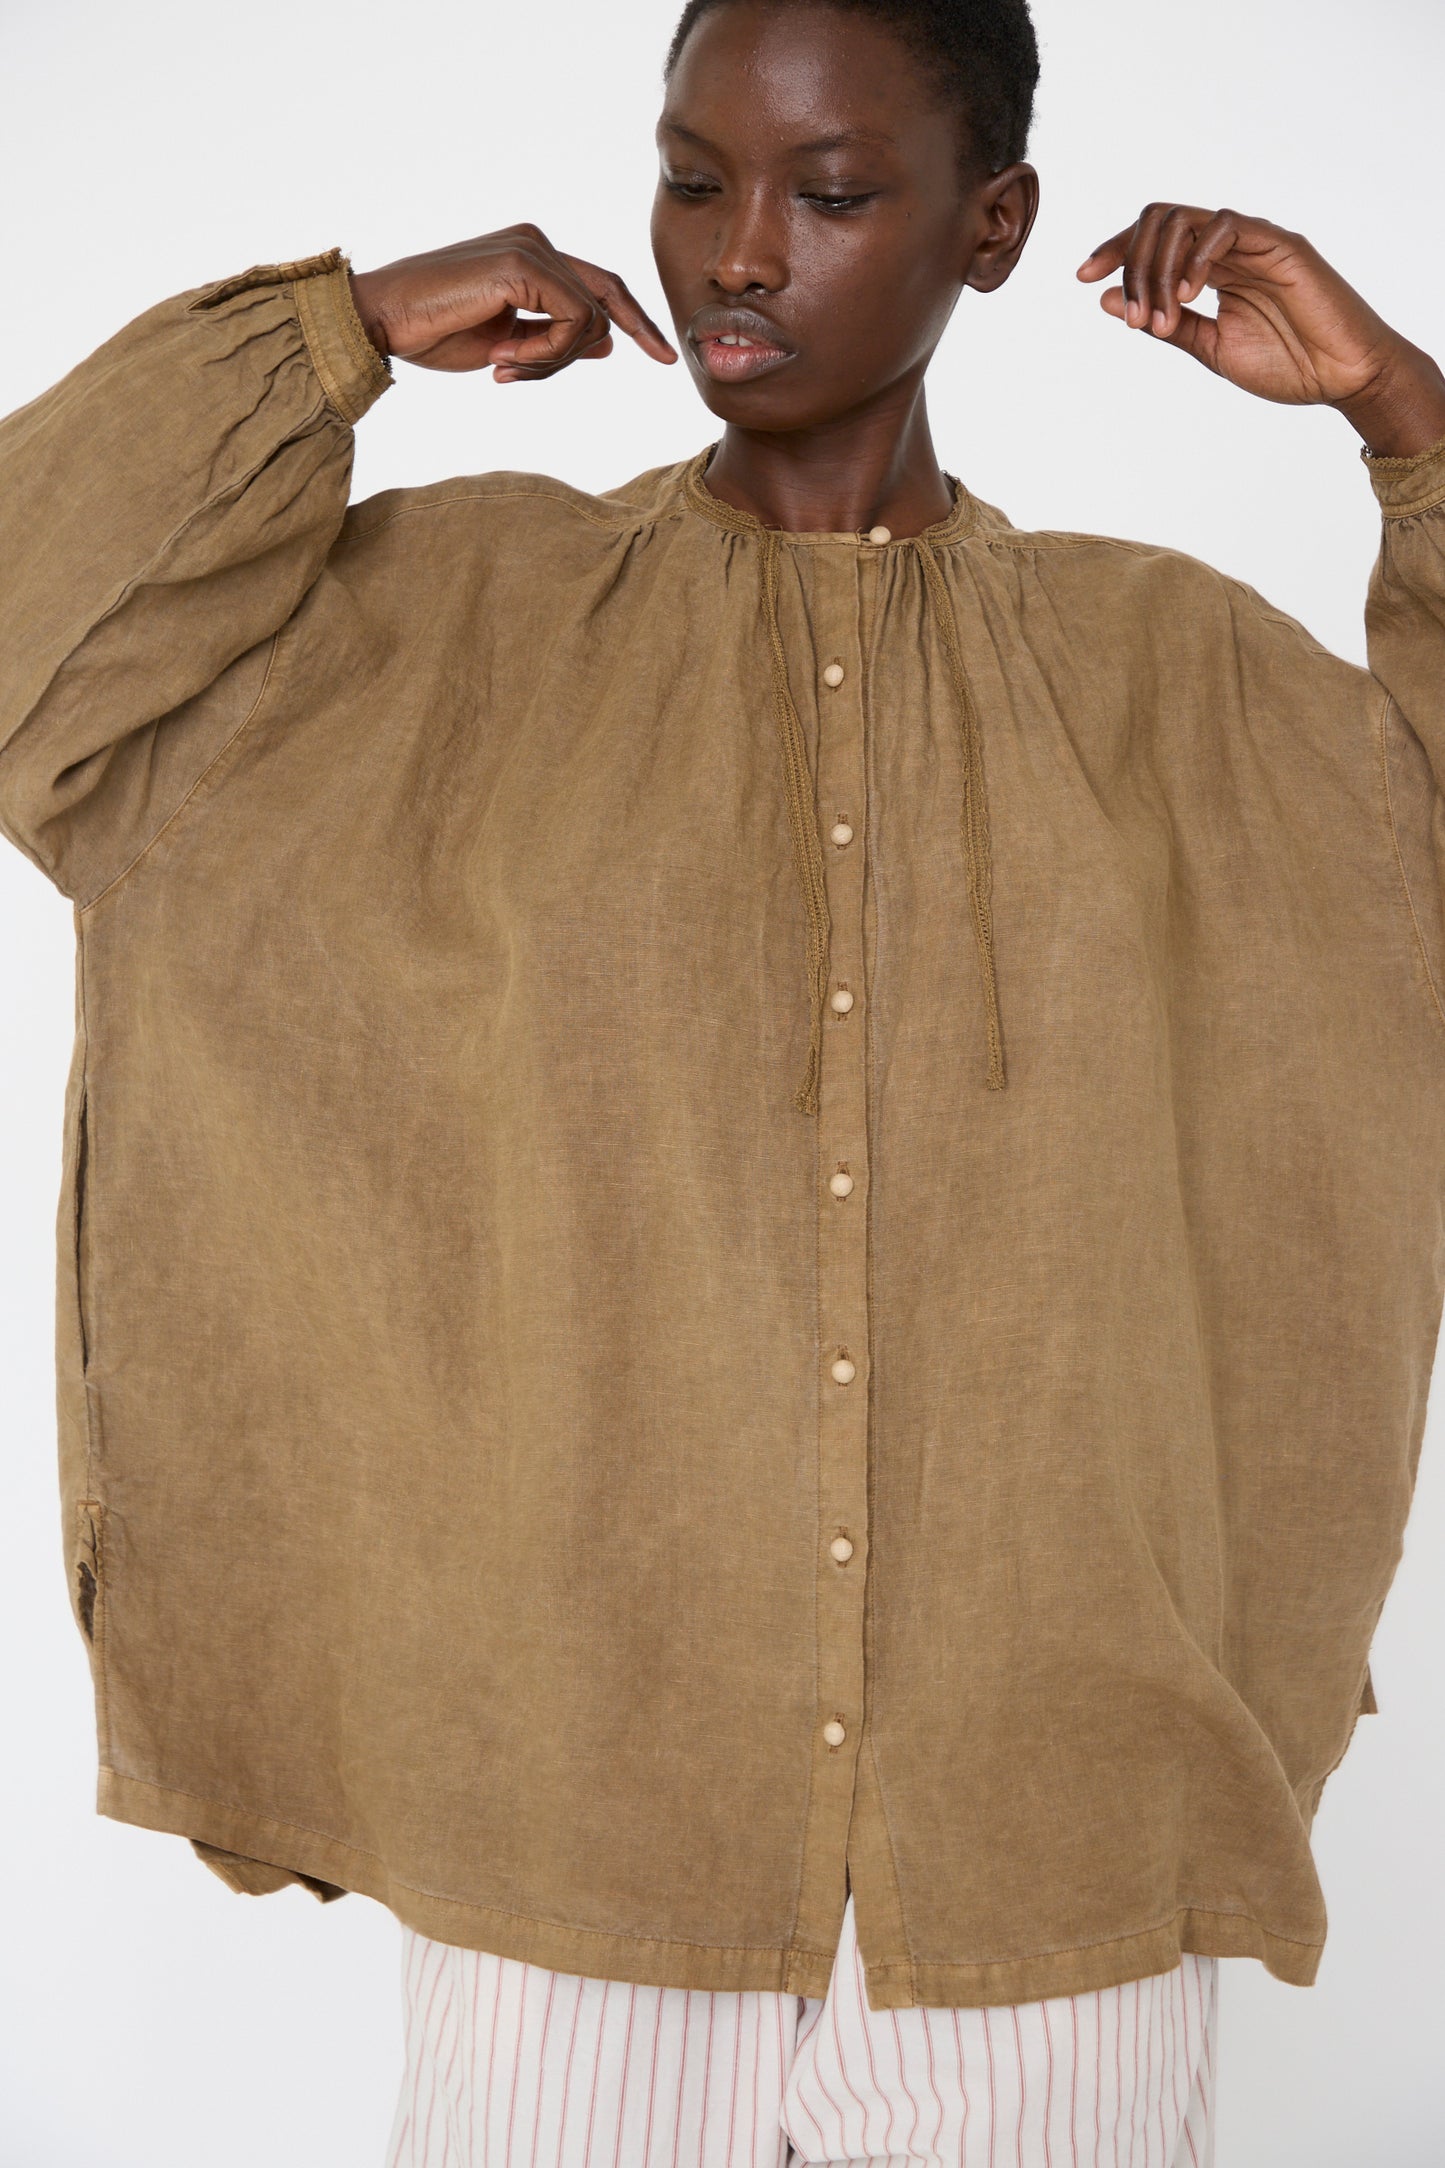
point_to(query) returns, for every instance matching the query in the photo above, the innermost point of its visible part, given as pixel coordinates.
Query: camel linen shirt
(743, 1213)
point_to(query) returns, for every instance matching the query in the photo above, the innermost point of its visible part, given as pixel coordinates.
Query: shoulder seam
(616, 523)
(1051, 538)
(1269, 613)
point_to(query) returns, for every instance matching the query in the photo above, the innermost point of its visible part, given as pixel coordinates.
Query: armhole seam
(221, 750)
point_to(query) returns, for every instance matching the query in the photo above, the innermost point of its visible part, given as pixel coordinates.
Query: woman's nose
(748, 251)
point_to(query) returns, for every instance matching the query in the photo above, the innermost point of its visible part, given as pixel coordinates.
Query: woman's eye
(690, 190)
(839, 203)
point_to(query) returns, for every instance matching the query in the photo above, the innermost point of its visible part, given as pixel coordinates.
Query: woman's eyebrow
(846, 139)
(843, 139)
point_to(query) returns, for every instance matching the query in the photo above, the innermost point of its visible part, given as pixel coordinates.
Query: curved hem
(309, 1857)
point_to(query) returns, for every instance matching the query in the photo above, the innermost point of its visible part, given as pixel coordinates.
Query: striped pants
(512, 2066)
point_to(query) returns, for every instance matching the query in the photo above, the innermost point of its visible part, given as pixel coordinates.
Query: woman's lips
(731, 362)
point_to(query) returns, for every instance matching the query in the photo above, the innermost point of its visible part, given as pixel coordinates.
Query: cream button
(833, 1732)
(841, 1001)
(841, 1183)
(834, 674)
(840, 833)
(843, 1371)
(841, 1549)
(880, 534)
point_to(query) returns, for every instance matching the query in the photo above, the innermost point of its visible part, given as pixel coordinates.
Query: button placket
(842, 1180)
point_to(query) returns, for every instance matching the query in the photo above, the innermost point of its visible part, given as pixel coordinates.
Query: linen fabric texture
(628, 1367)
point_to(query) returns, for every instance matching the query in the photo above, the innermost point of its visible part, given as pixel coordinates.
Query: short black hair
(983, 55)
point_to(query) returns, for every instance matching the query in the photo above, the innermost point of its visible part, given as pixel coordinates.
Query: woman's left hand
(1289, 327)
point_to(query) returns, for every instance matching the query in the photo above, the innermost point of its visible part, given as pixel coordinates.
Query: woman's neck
(875, 468)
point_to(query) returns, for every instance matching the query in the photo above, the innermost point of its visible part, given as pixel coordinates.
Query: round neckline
(699, 498)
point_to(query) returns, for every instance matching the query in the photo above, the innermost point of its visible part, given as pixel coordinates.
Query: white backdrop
(148, 2018)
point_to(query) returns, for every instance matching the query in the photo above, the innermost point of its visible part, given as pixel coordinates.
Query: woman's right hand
(459, 308)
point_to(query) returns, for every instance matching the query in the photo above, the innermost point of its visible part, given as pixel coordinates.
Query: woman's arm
(166, 507)
(163, 509)
(1291, 329)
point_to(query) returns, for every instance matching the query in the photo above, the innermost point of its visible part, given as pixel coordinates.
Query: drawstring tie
(801, 795)
(977, 849)
(803, 821)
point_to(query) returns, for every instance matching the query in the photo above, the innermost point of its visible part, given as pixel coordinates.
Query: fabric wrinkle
(801, 797)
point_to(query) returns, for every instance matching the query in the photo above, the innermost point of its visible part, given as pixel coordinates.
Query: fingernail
(1161, 321)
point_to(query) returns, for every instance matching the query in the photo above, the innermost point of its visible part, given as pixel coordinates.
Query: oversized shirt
(743, 1213)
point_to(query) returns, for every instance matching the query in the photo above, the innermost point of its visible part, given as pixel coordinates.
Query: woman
(749, 1248)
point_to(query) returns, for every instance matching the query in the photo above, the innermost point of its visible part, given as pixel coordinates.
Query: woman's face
(811, 201)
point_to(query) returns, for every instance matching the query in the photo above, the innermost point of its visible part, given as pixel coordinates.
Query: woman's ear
(1006, 205)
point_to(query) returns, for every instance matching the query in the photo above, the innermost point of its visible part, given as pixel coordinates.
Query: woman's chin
(762, 403)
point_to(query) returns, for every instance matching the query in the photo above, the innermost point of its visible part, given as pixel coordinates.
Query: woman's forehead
(805, 79)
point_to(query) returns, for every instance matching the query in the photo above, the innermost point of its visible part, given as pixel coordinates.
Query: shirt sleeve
(164, 509)
(1406, 612)
(1405, 618)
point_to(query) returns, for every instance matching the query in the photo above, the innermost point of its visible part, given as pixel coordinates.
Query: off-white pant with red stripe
(509, 2065)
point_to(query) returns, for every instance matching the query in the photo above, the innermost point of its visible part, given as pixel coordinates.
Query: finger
(1177, 237)
(1106, 258)
(1218, 239)
(1139, 261)
(1193, 334)
(556, 340)
(1197, 335)
(624, 308)
(519, 373)
(571, 316)
(527, 331)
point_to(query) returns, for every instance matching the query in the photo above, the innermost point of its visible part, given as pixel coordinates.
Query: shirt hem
(310, 1857)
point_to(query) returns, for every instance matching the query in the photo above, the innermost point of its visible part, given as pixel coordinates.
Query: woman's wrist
(1402, 411)
(363, 300)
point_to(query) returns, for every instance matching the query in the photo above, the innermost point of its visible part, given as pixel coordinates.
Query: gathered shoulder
(517, 499)
(1113, 573)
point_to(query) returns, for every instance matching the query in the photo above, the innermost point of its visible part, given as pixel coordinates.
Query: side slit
(82, 1155)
